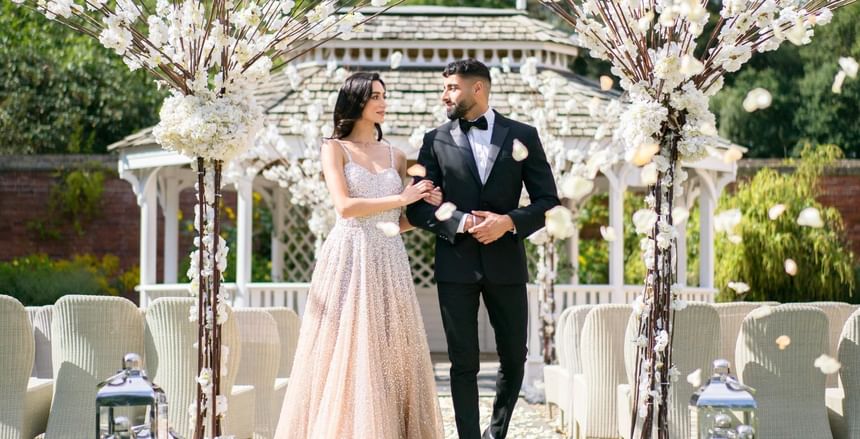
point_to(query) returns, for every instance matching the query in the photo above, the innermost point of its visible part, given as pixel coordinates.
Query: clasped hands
(483, 225)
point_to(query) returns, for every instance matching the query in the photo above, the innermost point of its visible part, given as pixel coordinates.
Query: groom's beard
(459, 110)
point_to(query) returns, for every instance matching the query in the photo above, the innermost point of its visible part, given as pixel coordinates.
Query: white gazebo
(427, 38)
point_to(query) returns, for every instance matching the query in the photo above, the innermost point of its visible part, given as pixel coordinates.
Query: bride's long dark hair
(351, 99)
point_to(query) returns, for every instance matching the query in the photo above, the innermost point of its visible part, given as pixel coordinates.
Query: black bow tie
(480, 123)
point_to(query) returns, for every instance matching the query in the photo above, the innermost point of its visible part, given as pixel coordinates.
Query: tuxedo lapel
(462, 143)
(498, 139)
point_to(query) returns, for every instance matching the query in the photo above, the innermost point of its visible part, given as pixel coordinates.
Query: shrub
(825, 262)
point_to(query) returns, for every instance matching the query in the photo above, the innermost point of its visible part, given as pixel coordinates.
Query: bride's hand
(416, 191)
(435, 197)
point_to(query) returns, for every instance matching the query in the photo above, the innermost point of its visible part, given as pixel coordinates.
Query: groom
(479, 250)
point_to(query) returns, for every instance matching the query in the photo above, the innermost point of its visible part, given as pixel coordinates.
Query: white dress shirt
(480, 142)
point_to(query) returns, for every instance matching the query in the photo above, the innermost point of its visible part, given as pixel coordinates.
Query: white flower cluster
(208, 126)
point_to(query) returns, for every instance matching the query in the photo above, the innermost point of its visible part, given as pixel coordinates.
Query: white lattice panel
(421, 247)
(298, 245)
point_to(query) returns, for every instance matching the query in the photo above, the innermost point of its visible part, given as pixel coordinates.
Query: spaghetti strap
(345, 149)
(391, 155)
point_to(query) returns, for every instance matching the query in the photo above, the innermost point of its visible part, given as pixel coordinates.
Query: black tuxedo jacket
(450, 164)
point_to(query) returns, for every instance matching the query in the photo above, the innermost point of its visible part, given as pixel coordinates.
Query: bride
(362, 367)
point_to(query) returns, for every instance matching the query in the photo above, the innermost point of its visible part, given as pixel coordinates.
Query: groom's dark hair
(468, 68)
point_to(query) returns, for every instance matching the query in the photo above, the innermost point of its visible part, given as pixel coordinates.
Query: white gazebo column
(170, 195)
(244, 229)
(616, 247)
(707, 205)
(681, 255)
(278, 212)
(145, 186)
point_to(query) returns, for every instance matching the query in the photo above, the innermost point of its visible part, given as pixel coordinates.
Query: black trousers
(507, 306)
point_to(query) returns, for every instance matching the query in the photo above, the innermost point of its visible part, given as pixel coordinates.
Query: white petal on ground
(608, 233)
(775, 211)
(416, 170)
(388, 228)
(575, 187)
(520, 151)
(827, 364)
(810, 217)
(445, 211)
(790, 267)
(783, 341)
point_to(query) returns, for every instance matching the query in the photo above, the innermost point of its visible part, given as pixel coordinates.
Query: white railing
(294, 295)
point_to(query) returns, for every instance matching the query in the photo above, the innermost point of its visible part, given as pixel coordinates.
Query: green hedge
(39, 280)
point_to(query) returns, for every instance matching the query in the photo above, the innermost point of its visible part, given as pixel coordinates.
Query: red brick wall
(843, 193)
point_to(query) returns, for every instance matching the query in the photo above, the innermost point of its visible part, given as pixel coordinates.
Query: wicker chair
(837, 314)
(288, 333)
(843, 403)
(89, 337)
(16, 361)
(789, 388)
(259, 364)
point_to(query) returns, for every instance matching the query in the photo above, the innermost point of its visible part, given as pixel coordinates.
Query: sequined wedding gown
(362, 367)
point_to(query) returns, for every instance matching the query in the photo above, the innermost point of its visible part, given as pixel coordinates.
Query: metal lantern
(723, 408)
(129, 406)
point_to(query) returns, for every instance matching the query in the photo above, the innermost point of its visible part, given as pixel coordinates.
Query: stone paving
(530, 421)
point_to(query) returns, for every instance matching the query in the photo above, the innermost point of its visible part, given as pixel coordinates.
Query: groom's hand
(492, 226)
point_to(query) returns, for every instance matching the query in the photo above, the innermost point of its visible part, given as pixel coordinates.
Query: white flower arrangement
(652, 49)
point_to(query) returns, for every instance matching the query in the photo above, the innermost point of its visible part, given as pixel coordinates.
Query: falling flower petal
(445, 211)
(395, 59)
(849, 66)
(388, 228)
(649, 174)
(732, 155)
(783, 341)
(559, 222)
(739, 287)
(644, 153)
(790, 267)
(417, 170)
(520, 151)
(837, 82)
(827, 364)
(810, 217)
(757, 99)
(606, 83)
(735, 239)
(575, 187)
(680, 215)
(695, 378)
(608, 233)
(774, 212)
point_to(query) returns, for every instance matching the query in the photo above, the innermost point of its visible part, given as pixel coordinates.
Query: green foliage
(75, 199)
(804, 108)
(506, 4)
(38, 280)
(61, 92)
(825, 262)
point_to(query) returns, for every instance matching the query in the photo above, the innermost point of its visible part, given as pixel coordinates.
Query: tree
(822, 255)
(804, 109)
(63, 93)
